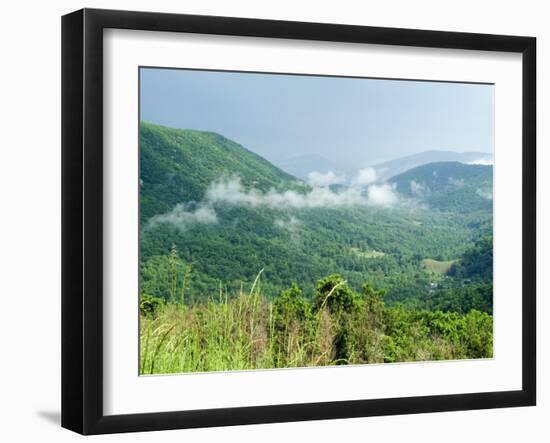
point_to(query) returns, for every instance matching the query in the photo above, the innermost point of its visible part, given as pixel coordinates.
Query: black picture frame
(82, 221)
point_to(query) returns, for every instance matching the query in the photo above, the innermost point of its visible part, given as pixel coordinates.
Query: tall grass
(217, 335)
(248, 331)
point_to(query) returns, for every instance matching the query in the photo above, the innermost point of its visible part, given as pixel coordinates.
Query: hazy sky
(357, 121)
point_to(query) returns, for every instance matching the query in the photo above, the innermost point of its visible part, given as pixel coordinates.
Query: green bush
(293, 323)
(149, 305)
(334, 293)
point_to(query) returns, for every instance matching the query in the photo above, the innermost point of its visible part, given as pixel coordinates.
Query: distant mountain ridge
(302, 165)
(397, 166)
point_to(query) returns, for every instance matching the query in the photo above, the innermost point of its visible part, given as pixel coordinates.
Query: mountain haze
(301, 166)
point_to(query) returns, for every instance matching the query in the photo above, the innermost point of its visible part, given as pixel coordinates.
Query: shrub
(149, 306)
(291, 305)
(334, 293)
(292, 321)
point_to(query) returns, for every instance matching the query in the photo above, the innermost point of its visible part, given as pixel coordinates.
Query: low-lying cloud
(324, 178)
(231, 191)
(290, 225)
(458, 182)
(485, 193)
(184, 215)
(382, 195)
(416, 188)
(365, 177)
(481, 161)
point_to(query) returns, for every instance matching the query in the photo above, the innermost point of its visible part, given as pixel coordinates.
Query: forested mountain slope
(450, 186)
(216, 214)
(177, 165)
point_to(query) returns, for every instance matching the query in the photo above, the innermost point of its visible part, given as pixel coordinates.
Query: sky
(353, 121)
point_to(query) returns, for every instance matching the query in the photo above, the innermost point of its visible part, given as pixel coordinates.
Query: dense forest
(214, 216)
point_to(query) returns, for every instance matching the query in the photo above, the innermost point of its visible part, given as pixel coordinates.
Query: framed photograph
(268, 221)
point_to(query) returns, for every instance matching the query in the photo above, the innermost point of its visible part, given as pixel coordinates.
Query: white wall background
(30, 218)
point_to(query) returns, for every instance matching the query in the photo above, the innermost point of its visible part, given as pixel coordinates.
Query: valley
(233, 234)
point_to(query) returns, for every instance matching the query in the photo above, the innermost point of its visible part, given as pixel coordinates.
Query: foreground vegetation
(335, 325)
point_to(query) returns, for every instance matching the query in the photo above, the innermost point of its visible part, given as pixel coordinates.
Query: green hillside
(476, 263)
(468, 283)
(449, 186)
(177, 165)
